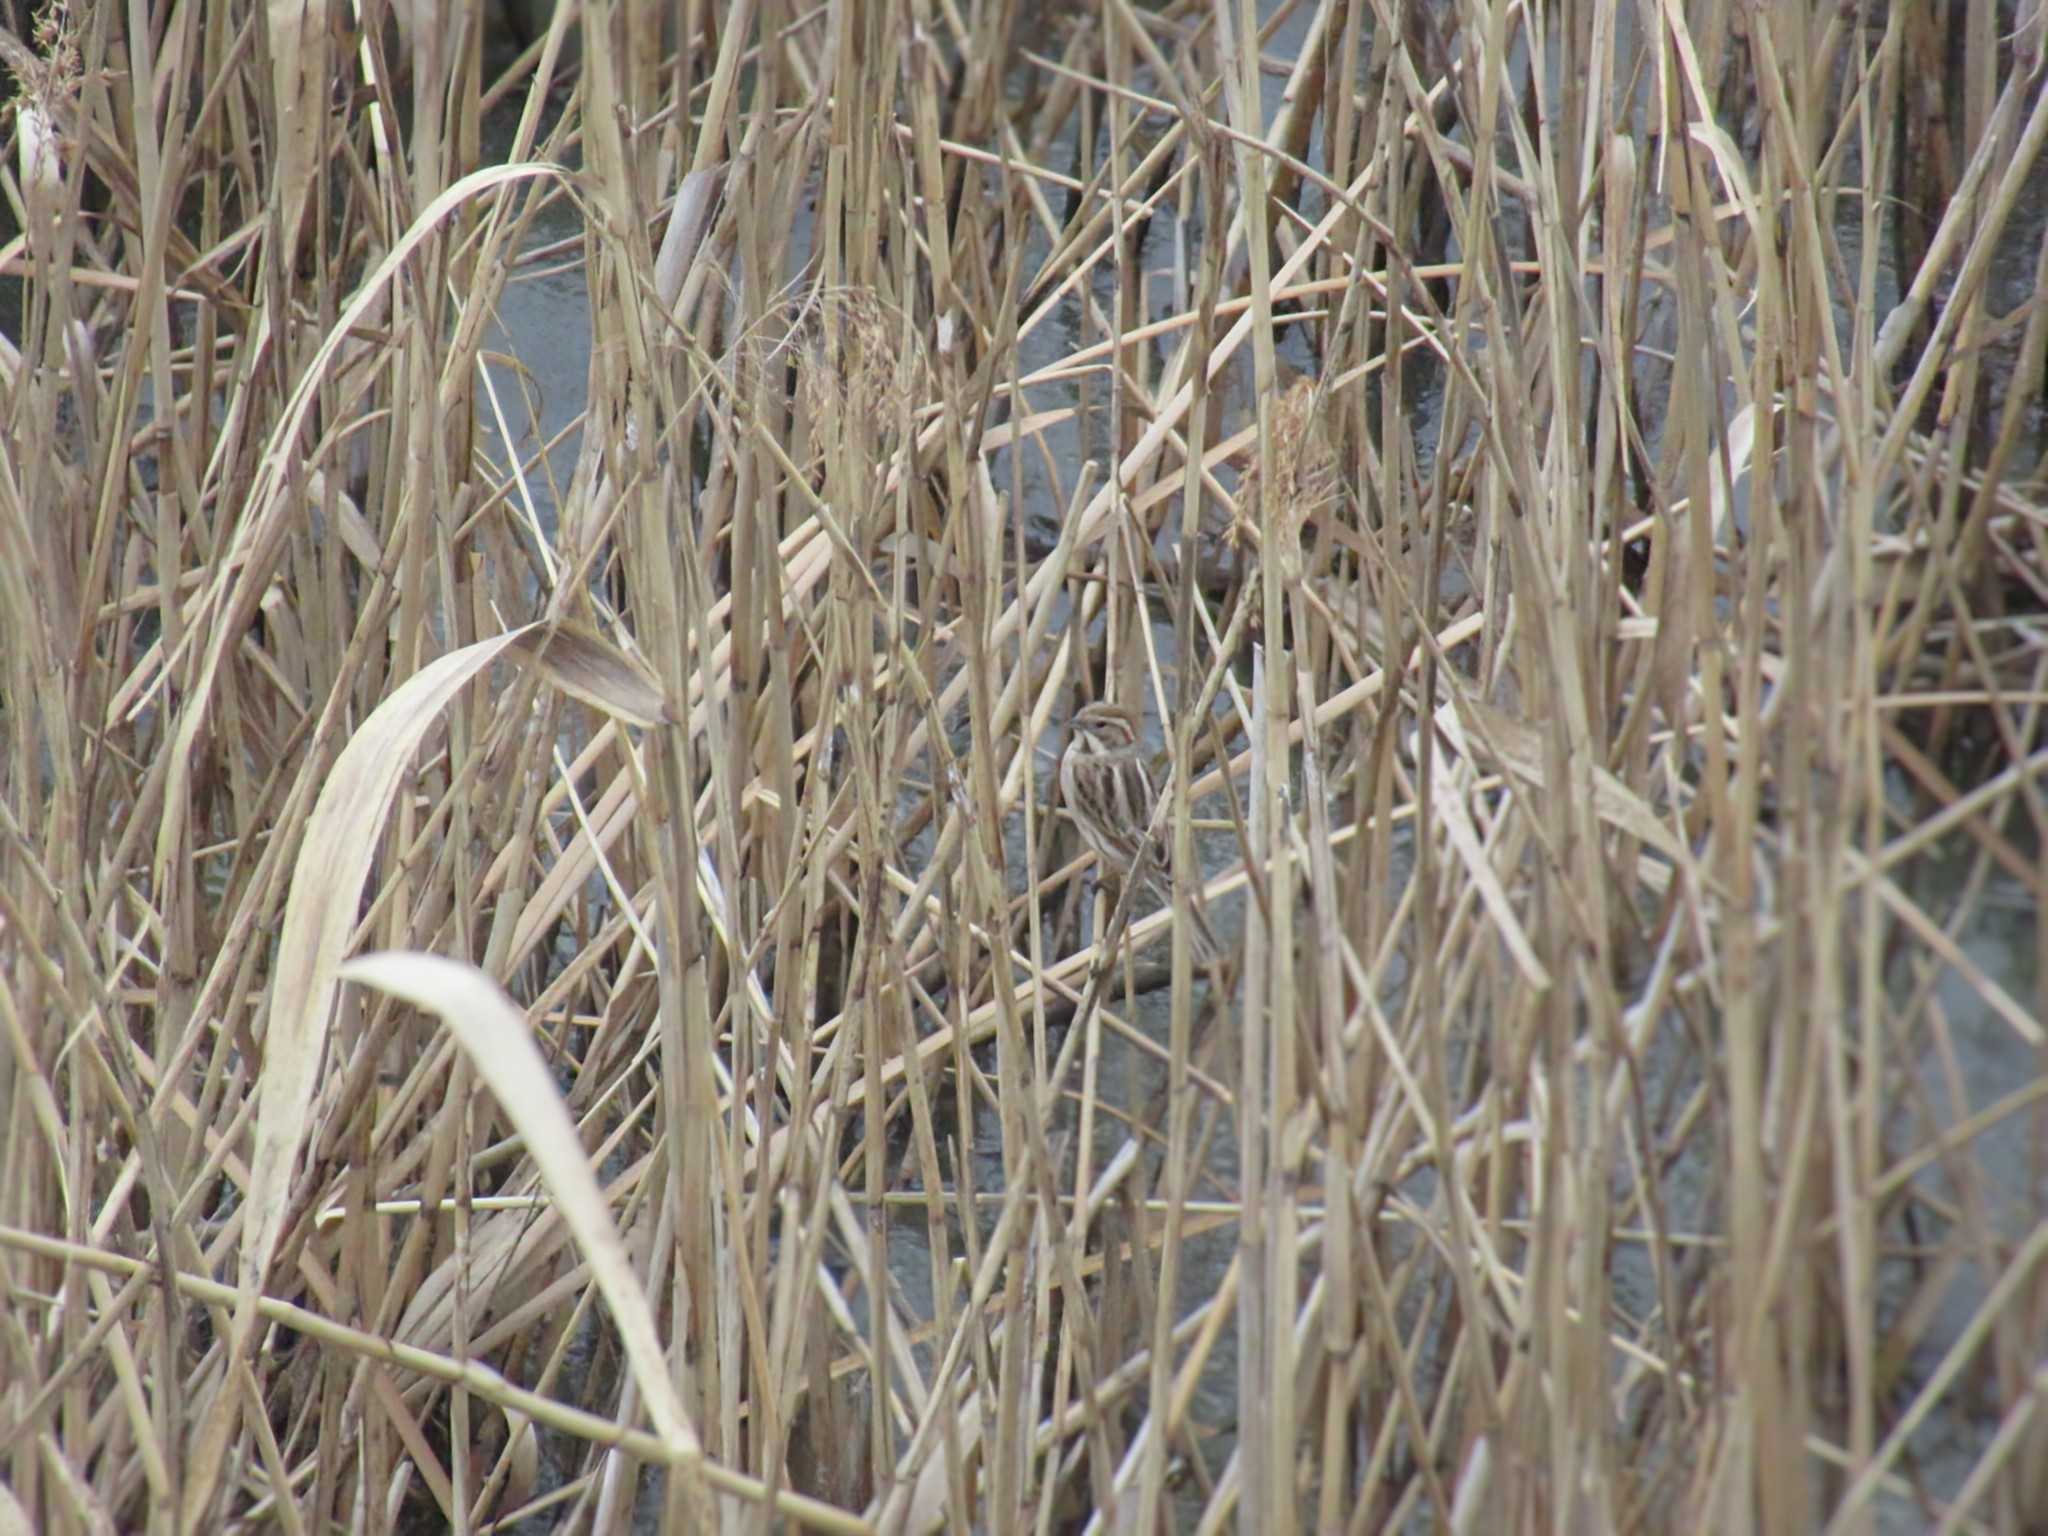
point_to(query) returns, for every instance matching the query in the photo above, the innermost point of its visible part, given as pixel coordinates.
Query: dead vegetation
(1614, 666)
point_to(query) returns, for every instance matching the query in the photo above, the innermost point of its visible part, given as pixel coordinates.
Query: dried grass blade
(588, 667)
(320, 914)
(494, 1034)
(300, 33)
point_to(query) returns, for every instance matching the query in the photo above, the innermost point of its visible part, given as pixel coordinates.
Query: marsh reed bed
(494, 966)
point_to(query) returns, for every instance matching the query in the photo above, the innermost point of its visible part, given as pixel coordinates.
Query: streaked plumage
(1110, 794)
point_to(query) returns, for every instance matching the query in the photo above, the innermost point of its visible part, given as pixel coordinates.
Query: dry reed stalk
(1621, 596)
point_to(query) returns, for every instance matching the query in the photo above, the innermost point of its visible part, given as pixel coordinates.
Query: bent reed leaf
(493, 1032)
(586, 666)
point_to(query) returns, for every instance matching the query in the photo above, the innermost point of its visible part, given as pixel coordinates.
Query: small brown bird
(1111, 796)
